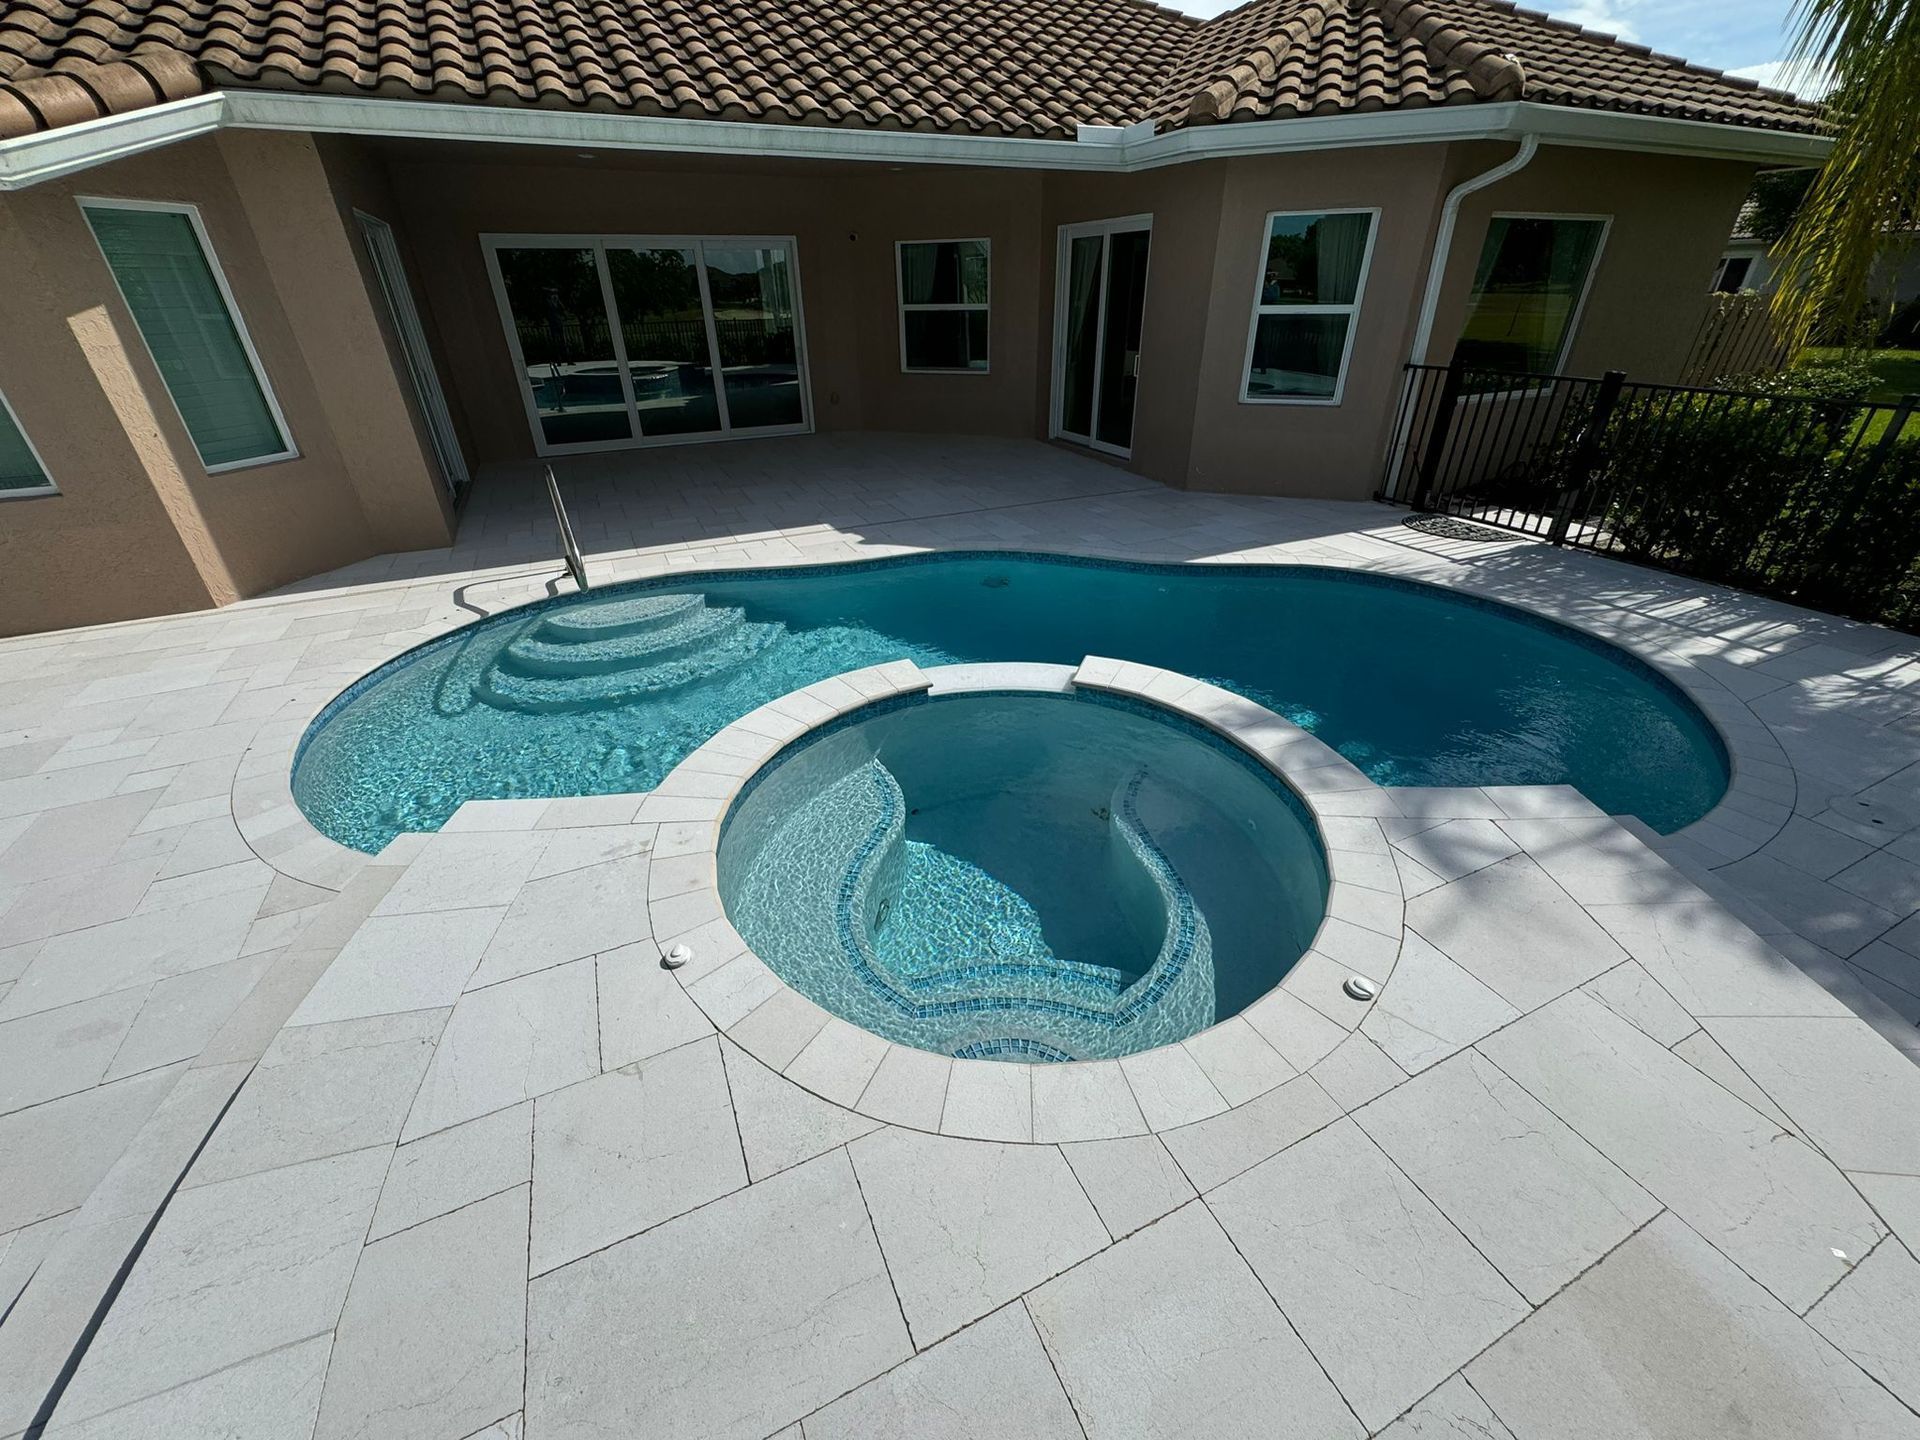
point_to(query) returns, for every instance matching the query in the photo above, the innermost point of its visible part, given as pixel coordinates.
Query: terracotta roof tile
(1013, 67)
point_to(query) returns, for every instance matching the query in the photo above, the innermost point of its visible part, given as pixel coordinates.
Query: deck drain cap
(678, 956)
(1360, 988)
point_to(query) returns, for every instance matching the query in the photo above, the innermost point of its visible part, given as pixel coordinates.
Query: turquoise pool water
(606, 693)
(1023, 877)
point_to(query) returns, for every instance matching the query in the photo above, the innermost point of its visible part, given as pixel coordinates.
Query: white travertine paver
(781, 1124)
(966, 1225)
(1874, 1317)
(1516, 931)
(1384, 1291)
(322, 1090)
(743, 1316)
(1776, 1207)
(1169, 1334)
(619, 1153)
(991, 1380)
(1432, 1009)
(453, 1168)
(276, 1391)
(1452, 1412)
(1531, 1195)
(233, 1270)
(1215, 1150)
(1668, 1337)
(1844, 1088)
(432, 1340)
(152, 860)
(1131, 1181)
(396, 963)
(510, 1042)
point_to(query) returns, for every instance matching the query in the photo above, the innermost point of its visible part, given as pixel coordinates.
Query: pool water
(1023, 877)
(605, 693)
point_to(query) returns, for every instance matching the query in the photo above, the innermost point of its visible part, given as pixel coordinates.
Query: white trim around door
(726, 426)
(1062, 283)
(383, 251)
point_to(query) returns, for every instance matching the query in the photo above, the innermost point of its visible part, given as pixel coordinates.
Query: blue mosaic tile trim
(1187, 939)
(1013, 1045)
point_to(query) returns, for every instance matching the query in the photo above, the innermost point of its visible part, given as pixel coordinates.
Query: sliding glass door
(1099, 308)
(623, 341)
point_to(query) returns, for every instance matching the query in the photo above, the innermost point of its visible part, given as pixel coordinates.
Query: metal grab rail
(575, 565)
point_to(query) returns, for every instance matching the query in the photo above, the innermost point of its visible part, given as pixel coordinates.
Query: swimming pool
(605, 693)
(1025, 876)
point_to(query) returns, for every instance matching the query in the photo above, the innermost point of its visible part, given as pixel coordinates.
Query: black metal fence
(1813, 499)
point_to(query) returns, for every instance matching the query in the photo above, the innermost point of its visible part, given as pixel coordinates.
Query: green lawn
(1899, 370)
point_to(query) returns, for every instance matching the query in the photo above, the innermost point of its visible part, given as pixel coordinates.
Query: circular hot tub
(1023, 875)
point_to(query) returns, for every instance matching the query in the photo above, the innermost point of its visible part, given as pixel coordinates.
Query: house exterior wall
(1670, 215)
(153, 532)
(139, 526)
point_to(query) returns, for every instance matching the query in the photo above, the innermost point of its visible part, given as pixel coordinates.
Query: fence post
(1586, 453)
(1442, 428)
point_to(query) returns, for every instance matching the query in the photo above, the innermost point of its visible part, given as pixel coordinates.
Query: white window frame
(1580, 303)
(1350, 310)
(1064, 237)
(900, 298)
(38, 491)
(212, 257)
(492, 244)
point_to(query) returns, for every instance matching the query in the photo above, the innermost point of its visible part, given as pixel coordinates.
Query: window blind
(169, 285)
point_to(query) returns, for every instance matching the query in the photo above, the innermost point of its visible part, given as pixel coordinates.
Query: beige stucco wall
(156, 533)
(139, 527)
(1670, 219)
(845, 221)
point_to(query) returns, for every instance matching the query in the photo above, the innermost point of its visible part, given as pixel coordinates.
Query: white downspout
(1443, 241)
(1436, 280)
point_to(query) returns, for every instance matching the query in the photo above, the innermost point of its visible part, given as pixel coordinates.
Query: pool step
(604, 619)
(546, 652)
(622, 651)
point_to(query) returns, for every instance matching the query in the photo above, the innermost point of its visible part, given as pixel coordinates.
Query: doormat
(1448, 527)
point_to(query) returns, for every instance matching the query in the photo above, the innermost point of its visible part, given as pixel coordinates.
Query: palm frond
(1871, 181)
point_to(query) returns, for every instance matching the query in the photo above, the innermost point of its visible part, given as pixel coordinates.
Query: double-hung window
(1533, 275)
(164, 266)
(1313, 269)
(943, 305)
(21, 472)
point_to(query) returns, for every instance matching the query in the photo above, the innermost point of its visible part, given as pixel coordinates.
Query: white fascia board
(33, 158)
(587, 129)
(48, 155)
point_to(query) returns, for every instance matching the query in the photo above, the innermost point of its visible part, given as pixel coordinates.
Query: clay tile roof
(1008, 67)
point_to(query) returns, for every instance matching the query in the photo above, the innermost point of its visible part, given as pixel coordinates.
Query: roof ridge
(1493, 73)
(1215, 99)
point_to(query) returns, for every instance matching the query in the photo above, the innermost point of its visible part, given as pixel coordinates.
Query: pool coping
(1163, 1088)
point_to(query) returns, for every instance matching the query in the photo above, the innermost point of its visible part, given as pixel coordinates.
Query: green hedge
(1794, 493)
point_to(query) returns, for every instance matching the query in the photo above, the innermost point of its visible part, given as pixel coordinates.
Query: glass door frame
(1062, 281)
(492, 244)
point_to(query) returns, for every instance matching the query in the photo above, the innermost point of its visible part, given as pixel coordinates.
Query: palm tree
(1872, 179)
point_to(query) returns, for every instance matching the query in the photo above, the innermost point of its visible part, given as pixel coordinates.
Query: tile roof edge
(88, 90)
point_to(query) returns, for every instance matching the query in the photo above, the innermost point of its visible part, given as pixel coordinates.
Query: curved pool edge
(1756, 805)
(1163, 1088)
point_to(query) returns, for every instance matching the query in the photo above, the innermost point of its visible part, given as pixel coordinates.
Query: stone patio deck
(301, 1143)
